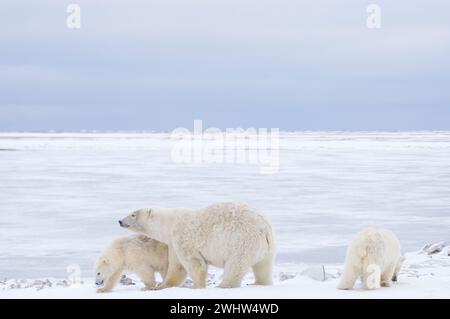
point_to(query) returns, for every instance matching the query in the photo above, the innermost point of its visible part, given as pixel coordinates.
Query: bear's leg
(233, 273)
(193, 262)
(387, 275)
(197, 269)
(263, 271)
(110, 282)
(348, 278)
(398, 266)
(147, 275)
(371, 278)
(176, 274)
(163, 273)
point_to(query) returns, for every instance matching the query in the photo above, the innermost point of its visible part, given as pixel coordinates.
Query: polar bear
(374, 256)
(138, 254)
(232, 236)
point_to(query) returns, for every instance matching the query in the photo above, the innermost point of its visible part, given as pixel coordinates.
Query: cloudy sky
(160, 64)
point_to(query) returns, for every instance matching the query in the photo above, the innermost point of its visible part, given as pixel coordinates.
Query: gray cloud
(288, 64)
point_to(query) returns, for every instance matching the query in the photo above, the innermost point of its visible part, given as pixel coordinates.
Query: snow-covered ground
(61, 195)
(422, 276)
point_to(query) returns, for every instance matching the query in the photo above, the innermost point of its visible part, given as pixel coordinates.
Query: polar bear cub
(232, 236)
(139, 254)
(374, 256)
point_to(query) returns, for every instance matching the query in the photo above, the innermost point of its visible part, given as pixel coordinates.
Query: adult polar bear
(232, 236)
(372, 252)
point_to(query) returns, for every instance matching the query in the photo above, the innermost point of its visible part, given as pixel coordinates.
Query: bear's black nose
(120, 223)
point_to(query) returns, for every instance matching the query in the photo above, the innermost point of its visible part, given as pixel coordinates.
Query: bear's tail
(372, 245)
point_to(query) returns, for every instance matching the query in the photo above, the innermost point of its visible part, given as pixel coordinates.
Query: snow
(422, 276)
(61, 195)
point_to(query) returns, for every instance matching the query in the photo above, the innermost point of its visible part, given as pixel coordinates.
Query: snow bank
(422, 276)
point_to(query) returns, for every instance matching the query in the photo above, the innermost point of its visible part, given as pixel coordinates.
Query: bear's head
(137, 220)
(103, 271)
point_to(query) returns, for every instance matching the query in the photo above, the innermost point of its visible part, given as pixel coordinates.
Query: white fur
(138, 254)
(232, 236)
(372, 252)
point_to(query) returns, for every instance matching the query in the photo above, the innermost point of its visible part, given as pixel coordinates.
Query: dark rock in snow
(432, 249)
(126, 281)
(283, 276)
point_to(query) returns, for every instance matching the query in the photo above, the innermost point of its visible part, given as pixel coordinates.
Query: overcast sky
(160, 64)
